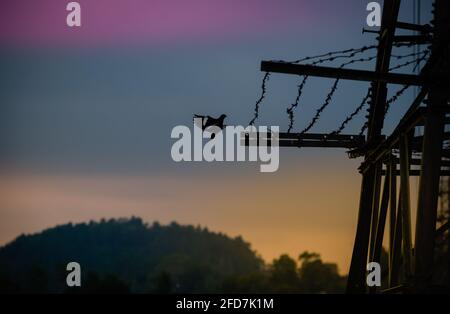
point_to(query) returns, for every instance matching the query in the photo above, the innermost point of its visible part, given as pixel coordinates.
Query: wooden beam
(322, 136)
(414, 27)
(429, 190)
(375, 210)
(417, 161)
(319, 144)
(307, 143)
(356, 282)
(356, 279)
(309, 136)
(431, 155)
(345, 74)
(394, 274)
(392, 211)
(405, 156)
(445, 136)
(385, 147)
(376, 256)
(422, 123)
(413, 39)
(441, 230)
(416, 173)
(305, 140)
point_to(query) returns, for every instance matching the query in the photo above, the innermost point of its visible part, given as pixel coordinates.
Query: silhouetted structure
(410, 265)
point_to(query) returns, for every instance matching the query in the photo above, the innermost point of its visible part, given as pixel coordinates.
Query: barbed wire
(331, 93)
(294, 105)
(404, 44)
(290, 110)
(261, 98)
(390, 101)
(354, 113)
(412, 54)
(417, 61)
(363, 128)
(331, 56)
(393, 99)
(349, 118)
(403, 89)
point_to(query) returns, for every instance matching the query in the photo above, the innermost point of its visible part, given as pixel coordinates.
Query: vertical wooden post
(378, 219)
(447, 215)
(356, 278)
(431, 152)
(405, 208)
(396, 245)
(429, 190)
(378, 242)
(376, 257)
(375, 209)
(392, 208)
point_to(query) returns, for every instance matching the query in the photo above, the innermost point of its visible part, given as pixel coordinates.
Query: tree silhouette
(127, 256)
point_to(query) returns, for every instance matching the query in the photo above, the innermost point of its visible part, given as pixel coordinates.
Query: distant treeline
(129, 256)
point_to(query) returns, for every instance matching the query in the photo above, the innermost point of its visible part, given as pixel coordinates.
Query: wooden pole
(406, 207)
(431, 154)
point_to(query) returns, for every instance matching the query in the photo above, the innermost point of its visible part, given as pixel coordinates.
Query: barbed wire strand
(329, 54)
(394, 98)
(416, 61)
(331, 93)
(293, 106)
(390, 101)
(331, 57)
(290, 110)
(398, 94)
(261, 98)
(354, 113)
(419, 60)
(402, 90)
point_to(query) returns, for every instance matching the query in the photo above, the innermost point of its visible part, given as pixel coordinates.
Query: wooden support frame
(413, 269)
(413, 39)
(305, 140)
(381, 223)
(431, 153)
(429, 189)
(356, 278)
(416, 161)
(375, 210)
(417, 173)
(414, 27)
(344, 74)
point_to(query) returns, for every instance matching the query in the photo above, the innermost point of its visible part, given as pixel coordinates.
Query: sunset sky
(86, 115)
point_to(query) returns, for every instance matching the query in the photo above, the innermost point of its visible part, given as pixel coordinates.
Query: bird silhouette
(207, 121)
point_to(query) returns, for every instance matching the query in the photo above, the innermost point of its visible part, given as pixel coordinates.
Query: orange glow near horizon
(293, 211)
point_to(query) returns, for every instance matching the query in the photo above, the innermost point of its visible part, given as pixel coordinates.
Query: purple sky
(149, 21)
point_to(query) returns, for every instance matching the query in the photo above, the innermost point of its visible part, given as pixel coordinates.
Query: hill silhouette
(131, 251)
(130, 256)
